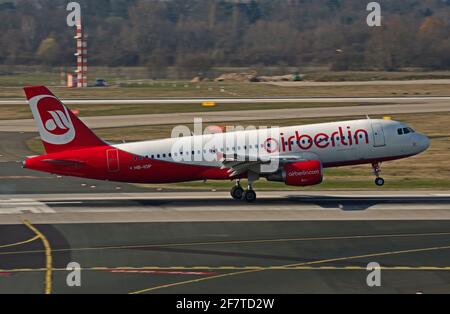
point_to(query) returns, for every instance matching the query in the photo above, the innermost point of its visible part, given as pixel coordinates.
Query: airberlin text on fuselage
(319, 140)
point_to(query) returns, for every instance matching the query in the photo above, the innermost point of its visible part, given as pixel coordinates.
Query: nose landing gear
(377, 170)
(379, 181)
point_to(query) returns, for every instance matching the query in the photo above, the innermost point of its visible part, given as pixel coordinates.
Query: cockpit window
(404, 131)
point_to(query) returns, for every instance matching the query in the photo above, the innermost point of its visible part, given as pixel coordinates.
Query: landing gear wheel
(376, 171)
(237, 192)
(250, 196)
(379, 181)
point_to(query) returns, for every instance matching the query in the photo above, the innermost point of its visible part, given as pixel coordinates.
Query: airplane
(294, 155)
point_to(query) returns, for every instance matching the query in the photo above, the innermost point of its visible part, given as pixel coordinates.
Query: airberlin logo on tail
(52, 119)
(58, 120)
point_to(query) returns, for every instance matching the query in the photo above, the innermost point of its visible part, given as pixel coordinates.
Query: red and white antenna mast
(81, 55)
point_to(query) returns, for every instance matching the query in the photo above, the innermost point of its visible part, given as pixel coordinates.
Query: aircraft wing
(239, 164)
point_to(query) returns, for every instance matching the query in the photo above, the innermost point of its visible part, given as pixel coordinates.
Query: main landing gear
(249, 195)
(377, 170)
(237, 192)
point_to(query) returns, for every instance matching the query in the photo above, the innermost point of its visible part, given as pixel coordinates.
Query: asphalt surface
(28, 125)
(228, 257)
(192, 207)
(243, 101)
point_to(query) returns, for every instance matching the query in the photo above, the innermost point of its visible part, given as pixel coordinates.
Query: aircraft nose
(421, 141)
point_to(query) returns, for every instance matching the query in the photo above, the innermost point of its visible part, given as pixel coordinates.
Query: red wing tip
(33, 91)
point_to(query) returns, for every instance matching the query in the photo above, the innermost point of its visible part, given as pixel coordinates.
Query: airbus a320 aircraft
(299, 153)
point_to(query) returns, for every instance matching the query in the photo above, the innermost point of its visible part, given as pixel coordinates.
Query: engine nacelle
(302, 173)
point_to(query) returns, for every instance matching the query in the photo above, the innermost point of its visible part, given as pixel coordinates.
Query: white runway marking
(23, 206)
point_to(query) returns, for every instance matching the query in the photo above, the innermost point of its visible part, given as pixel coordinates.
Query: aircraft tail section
(59, 129)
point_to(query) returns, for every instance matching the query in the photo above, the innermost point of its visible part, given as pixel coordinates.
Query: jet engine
(302, 173)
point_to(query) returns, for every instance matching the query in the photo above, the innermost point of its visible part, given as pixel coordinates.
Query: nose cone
(421, 142)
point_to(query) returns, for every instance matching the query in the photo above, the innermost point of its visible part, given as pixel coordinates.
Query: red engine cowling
(303, 173)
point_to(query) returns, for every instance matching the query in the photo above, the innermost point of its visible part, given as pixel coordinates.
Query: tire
(237, 193)
(250, 196)
(379, 181)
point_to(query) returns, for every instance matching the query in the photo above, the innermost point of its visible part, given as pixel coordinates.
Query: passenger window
(400, 132)
(406, 131)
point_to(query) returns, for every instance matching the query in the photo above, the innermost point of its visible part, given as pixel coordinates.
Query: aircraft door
(378, 135)
(112, 157)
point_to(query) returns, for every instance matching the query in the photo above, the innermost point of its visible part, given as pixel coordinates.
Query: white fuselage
(334, 144)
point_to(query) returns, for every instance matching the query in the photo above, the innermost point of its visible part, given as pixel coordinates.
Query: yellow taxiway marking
(48, 256)
(290, 266)
(263, 241)
(19, 243)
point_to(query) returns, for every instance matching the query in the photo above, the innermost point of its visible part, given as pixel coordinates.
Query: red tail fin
(59, 128)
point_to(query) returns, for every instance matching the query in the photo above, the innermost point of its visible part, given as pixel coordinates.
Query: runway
(191, 207)
(243, 101)
(28, 125)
